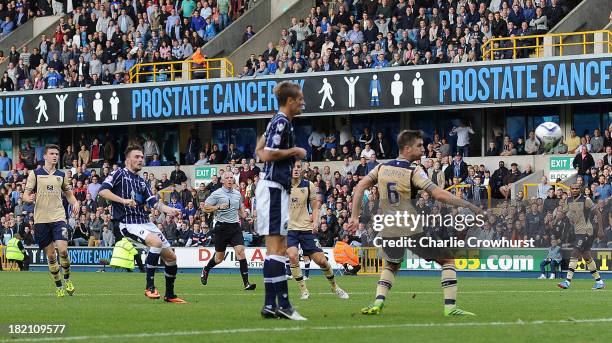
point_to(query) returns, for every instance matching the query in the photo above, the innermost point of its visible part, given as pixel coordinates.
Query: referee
(227, 202)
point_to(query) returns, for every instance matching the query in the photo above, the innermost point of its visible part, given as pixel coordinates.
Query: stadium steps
(28, 35)
(271, 31)
(589, 15)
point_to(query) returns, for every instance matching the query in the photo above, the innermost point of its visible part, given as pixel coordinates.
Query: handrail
(554, 184)
(489, 49)
(175, 68)
(465, 185)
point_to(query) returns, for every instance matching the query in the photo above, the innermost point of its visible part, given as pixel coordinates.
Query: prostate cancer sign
(375, 90)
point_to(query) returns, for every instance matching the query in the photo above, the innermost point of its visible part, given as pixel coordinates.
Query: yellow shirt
(49, 207)
(301, 196)
(572, 143)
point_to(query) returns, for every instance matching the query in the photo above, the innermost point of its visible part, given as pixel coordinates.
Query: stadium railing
(370, 259)
(543, 45)
(554, 184)
(468, 186)
(186, 70)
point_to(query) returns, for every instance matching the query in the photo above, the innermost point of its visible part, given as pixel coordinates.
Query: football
(549, 134)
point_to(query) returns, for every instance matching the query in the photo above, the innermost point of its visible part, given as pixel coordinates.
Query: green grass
(113, 304)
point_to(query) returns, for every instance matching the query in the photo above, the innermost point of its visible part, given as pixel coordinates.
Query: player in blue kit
(276, 148)
(131, 196)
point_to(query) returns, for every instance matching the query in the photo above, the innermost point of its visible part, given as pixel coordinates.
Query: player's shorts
(227, 234)
(272, 208)
(305, 239)
(47, 233)
(583, 242)
(397, 254)
(139, 232)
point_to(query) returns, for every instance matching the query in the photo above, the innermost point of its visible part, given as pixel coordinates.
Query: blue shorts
(47, 233)
(304, 239)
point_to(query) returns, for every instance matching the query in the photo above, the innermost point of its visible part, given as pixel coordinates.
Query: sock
(387, 277)
(244, 271)
(279, 280)
(211, 264)
(287, 268)
(307, 269)
(151, 263)
(571, 268)
(55, 272)
(592, 266)
(270, 291)
(449, 285)
(170, 274)
(329, 275)
(296, 271)
(65, 263)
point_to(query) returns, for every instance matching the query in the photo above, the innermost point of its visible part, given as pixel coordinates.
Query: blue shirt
(279, 135)
(5, 163)
(128, 185)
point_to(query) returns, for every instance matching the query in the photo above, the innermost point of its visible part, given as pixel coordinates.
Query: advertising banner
(502, 83)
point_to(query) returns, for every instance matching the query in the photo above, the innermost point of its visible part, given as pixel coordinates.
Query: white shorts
(272, 206)
(139, 232)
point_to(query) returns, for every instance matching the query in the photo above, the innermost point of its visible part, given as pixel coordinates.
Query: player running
(227, 203)
(130, 194)
(398, 181)
(276, 148)
(302, 225)
(45, 186)
(579, 210)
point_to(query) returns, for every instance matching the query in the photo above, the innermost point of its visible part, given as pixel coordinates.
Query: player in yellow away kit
(398, 182)
(46, 185)
(302, 227)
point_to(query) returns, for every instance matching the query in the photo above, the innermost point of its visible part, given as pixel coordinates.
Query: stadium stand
(107, 39)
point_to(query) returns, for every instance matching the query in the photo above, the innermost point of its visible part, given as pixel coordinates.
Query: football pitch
(111, 307)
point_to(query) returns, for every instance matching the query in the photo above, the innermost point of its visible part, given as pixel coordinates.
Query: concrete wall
(231, 38)
(539, 164)
(281, 6)
(270, 33)
(589, 15)
(30, 37)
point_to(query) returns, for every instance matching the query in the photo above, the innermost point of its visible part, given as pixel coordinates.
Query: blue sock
(280, 280)
(151, 263)
(270, 291)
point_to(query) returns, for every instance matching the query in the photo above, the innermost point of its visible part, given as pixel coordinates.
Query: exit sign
(204, 175)
(561, 163)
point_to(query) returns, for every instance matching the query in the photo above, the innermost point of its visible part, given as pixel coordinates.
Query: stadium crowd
(347, 35)
(539, 215)
(100, 41)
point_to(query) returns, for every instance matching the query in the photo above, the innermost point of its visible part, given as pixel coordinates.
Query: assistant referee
(226, 202)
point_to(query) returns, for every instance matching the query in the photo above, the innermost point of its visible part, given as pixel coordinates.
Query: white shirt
(367, 153)
(463, 135)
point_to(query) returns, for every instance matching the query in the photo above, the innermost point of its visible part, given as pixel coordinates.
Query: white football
(549, 134)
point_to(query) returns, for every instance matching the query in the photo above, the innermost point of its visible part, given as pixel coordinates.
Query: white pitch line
(305, 328)
(319, 293)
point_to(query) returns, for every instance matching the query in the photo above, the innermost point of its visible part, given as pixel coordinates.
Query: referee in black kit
(227, 203)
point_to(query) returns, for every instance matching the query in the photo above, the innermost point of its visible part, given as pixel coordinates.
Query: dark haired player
(45, 186)
(276, 148)
(399, 181)
(130, 194)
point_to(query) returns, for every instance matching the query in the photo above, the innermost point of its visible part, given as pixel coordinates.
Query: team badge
(280, 127)
(49, 187)
(276, 139)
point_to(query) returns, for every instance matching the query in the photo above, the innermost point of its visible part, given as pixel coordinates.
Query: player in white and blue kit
(276, 148)
(130, 194)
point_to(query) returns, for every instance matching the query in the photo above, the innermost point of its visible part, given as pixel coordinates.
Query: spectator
(553, 257)
(177, 176)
